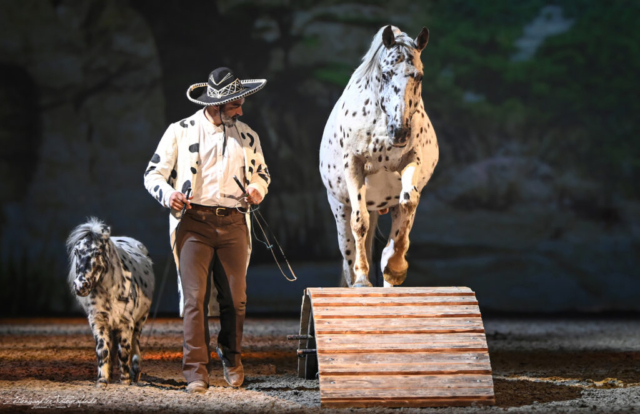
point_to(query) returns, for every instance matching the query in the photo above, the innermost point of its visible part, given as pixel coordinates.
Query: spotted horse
(378, 151)
(113, 280)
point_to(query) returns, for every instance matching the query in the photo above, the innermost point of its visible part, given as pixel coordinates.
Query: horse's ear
(388, 37)
(422, 39)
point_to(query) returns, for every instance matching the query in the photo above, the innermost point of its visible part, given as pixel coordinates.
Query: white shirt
(216, 186)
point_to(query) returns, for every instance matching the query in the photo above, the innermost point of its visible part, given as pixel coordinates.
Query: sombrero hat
(223, 87)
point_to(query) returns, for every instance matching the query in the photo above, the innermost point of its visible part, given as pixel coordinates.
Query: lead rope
(257, 216)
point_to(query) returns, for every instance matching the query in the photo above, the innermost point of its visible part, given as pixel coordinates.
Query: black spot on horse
(350, 262)
(174, 173)
(149, 170)
(251, 170)
(155, 158)
(184, 124)
(348, 252)
(192, 122)
(194, 147)
(359, 198)
(253, 162)
(407, 196)
(370, 203)
(193, 170)
(160, 194)
(156, 188)
(384, 203)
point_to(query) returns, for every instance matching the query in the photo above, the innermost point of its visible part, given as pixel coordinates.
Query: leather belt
(218, 211)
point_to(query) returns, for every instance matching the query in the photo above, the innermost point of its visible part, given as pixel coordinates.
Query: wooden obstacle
(395, 347)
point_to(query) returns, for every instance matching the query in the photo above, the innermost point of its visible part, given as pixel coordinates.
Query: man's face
(232, 110)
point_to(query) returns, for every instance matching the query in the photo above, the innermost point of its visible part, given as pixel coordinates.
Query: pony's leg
(342, 214)
(125, 339)
(136, 358)
(354, 179)
(393, 261)
(102, 336)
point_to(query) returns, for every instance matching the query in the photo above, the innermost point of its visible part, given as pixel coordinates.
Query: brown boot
(233, 375)
(197, 387)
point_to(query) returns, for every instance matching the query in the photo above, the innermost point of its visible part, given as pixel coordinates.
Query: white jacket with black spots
(177, 159)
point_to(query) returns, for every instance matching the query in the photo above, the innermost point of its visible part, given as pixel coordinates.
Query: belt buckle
(218, 211)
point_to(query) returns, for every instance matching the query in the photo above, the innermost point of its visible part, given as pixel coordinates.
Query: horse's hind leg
(371, 235)
(342, 213)
(125, 339)
(136, 358)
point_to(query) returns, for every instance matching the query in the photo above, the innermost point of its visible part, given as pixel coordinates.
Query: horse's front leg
(393, 261)
(102, 336)
(124, 336)
(359, 218)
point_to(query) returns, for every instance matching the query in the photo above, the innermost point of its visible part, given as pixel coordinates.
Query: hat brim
(197, 93)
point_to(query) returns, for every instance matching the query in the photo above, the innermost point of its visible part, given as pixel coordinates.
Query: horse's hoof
(362, 283)
(394, 278)
(125, 381)
(101, 384)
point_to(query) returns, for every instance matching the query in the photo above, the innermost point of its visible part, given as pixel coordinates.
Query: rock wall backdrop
(535, 203)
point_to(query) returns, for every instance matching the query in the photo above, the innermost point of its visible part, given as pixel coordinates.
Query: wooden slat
(357, 324)
(401, 392)
(395, 301)
(389, 382)
(324, 312)
(337, 359)
(390, 292)
(336, 340)
(406, 402)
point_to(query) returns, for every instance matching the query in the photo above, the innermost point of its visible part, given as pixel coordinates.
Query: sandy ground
(539, 365)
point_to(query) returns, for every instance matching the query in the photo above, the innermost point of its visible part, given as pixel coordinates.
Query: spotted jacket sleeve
(260, 178)
(160, 175)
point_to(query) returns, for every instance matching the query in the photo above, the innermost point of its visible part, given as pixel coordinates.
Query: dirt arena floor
(539, 365)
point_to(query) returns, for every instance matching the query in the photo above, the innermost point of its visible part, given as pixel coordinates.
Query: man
(202, 154)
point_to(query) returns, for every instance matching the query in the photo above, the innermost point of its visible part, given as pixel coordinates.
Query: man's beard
(228, 121)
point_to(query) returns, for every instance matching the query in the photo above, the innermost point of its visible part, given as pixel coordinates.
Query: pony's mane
(370, 65)
(93, 227)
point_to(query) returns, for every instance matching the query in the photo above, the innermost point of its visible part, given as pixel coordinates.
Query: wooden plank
(414, 369)
(406, 402)
(398, 340)
(399, 325)
(324, 312)
(402, 392)
(392, 382)
(390, 292)
(394, 301)
(469, 358)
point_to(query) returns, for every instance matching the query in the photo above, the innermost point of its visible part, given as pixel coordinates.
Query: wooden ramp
(395, 347)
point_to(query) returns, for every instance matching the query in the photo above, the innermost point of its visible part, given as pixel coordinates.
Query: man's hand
(254, 196)
(178, 200)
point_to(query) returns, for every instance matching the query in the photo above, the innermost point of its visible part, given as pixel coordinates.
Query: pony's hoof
(101, 384)
(394, 278)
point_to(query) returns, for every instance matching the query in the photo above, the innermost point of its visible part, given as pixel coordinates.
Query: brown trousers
(210, 244)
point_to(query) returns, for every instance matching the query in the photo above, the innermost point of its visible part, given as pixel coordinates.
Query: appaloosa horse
(378, 151)
(113, 280)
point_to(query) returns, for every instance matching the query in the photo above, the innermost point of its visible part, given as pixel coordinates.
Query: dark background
(534, 203)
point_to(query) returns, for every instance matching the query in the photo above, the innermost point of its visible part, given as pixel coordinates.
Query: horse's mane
(370, 66)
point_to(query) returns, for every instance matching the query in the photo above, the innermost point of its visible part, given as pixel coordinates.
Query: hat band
(230, 89)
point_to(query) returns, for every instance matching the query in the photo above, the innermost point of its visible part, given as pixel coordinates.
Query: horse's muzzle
(401, 137)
